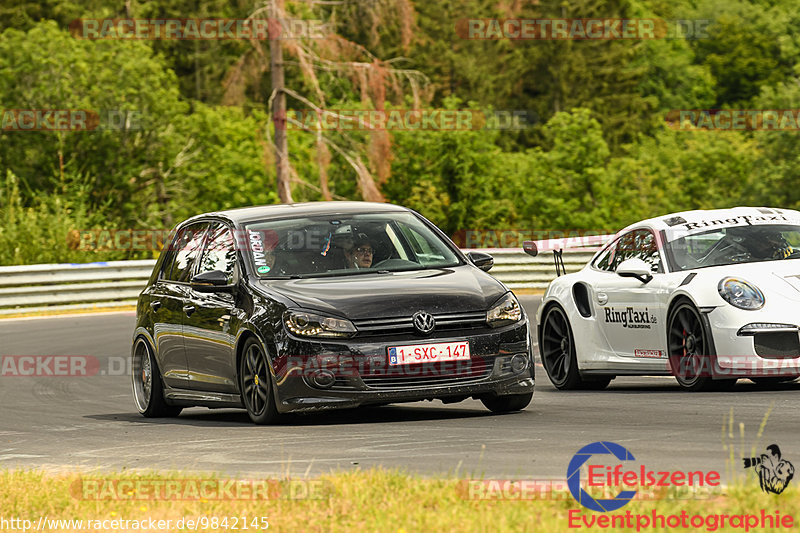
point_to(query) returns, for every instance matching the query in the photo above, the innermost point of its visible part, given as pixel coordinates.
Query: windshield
(334, 245)
(733, 245)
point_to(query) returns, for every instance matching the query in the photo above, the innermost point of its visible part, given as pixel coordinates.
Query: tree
(321, 61)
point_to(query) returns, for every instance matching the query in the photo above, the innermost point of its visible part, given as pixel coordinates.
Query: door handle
(188, 309)
(155, 306)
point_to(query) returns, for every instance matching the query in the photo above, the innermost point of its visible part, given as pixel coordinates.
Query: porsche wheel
(148, 391)
(256, 384)
(690, 353)
(557, 347)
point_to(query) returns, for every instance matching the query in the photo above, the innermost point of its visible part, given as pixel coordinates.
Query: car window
(184, 250)
(734, 244)
(338, 244)
(424, 249)
(605, 261)
(640, 244)
(219, 252)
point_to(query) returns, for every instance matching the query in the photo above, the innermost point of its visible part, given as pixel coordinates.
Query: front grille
(430, 374)
(342, 383)
(777, 345)
(399, 325)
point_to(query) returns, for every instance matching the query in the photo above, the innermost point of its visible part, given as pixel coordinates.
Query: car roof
(263, 212)
(701, 216)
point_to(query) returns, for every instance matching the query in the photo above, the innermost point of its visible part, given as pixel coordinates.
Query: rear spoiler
(530, 248)
(589, 243)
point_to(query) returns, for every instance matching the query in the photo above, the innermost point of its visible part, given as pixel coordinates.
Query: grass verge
(369, 500)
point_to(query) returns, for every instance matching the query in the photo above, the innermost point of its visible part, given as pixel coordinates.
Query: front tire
(255, 382)
(690, 352)
(507, 404)
(148, 391)
(557, 348)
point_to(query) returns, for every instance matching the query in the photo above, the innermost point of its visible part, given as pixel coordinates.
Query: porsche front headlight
(741, 294)
(505, 311)
(307, 324)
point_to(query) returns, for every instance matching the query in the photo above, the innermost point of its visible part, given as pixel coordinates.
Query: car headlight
(741, 294)
(505, 311)
(307, 324)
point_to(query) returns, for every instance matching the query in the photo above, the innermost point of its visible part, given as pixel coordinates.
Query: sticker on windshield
(257, 249)
(686, 228)
(264, 269)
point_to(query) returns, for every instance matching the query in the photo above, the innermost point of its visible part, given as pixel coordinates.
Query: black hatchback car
(303, 307)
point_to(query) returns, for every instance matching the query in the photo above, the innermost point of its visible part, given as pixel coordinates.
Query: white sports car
(706, 296)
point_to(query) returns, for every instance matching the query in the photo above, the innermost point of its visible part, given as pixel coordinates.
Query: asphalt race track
(91, 423)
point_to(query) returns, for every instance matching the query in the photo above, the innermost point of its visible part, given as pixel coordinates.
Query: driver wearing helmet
(763, 243)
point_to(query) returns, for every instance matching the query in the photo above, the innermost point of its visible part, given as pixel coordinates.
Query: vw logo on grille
(423, 322)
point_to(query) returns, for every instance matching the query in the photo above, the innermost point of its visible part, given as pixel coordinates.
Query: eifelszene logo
(774, 472)
(574, 476)
(608, 476)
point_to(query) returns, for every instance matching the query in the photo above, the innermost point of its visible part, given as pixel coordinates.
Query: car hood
(774, 278)
(395, 294)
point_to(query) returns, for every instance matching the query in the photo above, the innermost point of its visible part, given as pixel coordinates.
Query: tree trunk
(323, 160)
(279, 104)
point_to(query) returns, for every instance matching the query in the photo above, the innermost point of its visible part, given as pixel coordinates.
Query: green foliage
(41, 232)
(679, 170)
(46, 68)
(455, 178)
(781, 150)
(600, 155)
(225, 165)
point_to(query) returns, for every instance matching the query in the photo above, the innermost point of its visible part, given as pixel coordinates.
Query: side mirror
(635, 268)
(529, 247)
(213, 281)
(481, 260)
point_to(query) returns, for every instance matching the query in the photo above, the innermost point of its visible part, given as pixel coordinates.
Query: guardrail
(114, 284)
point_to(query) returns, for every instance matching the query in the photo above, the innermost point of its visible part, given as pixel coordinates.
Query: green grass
(368, 500)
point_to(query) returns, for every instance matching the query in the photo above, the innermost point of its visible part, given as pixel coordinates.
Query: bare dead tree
(279, 106)
(371, 76)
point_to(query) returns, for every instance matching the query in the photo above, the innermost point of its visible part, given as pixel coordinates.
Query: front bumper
(758, 352)
(356, 371)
